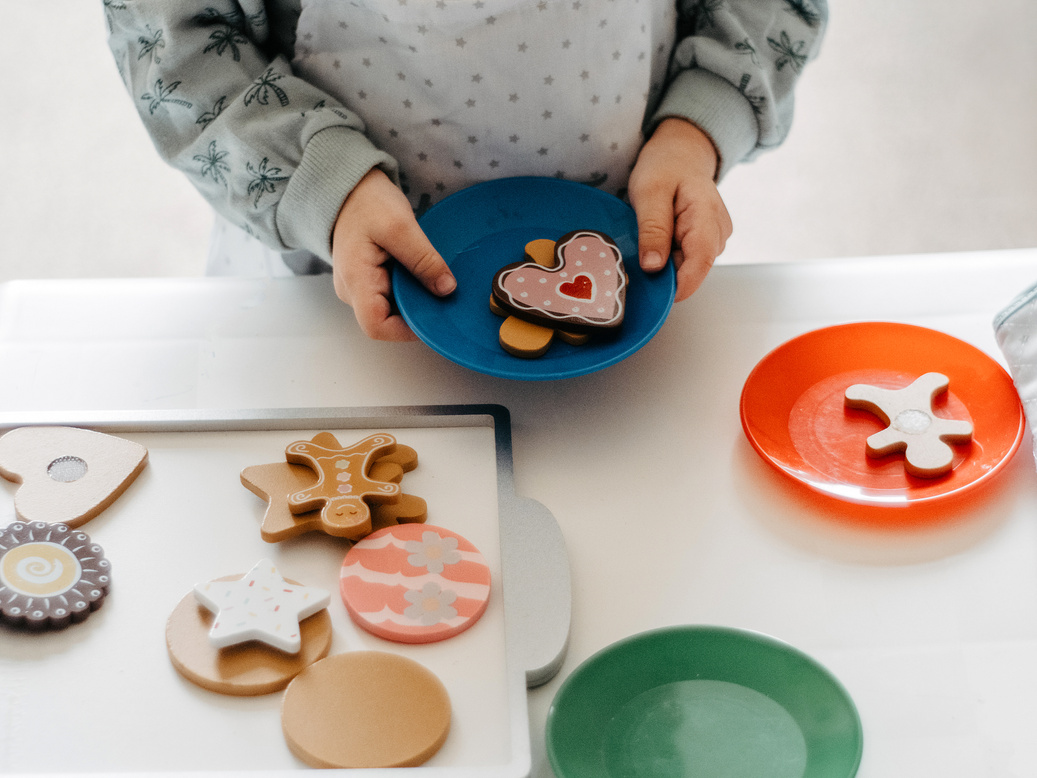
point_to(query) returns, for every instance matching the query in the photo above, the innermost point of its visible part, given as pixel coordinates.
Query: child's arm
(214, 87)
(735, 68)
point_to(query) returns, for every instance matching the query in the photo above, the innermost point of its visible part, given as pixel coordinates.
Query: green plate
(703, 702)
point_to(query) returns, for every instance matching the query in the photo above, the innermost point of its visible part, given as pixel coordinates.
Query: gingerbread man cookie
(50, 575)
(913, 426)
(344, 485)
(276, 481)
(67, 475)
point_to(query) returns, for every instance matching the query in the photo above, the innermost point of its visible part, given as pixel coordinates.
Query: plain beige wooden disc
(365, 709)
(244, 670)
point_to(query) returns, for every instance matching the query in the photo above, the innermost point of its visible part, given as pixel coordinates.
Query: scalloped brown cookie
(51, 575)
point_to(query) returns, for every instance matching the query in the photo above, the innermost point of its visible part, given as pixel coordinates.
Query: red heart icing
(581, 288)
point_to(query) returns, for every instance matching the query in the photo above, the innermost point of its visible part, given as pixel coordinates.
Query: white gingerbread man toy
(913, 426)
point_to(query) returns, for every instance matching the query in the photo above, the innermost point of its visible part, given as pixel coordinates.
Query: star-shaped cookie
(262, 606)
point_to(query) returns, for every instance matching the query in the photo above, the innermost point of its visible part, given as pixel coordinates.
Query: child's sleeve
(215, 91)
(735, 67)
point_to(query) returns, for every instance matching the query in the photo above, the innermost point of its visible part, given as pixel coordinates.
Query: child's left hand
(678, 207)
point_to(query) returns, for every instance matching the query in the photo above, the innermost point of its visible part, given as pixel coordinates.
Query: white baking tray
(102, 697)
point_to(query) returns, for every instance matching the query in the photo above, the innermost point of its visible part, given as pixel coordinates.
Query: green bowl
(703, 702)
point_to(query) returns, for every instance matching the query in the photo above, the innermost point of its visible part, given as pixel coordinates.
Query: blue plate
(481, 229)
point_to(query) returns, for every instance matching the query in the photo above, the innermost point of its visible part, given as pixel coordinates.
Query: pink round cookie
(415, 583)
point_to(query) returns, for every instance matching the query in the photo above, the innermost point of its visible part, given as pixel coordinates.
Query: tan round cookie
(365, 709)
(244, 670)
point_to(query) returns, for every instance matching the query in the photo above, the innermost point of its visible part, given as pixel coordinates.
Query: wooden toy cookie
(367, 709)
(261, 606)
(275, 482)
(246, 669)
(913, 426)
(344, 486)
(583, 291)
(50, 575)
(67, 474)
(415, 583)
(523, 338)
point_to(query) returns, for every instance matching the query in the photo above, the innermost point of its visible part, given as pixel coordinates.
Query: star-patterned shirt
(461, 92)
(275, 112)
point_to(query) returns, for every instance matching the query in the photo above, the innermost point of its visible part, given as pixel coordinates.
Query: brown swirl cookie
(50, 575)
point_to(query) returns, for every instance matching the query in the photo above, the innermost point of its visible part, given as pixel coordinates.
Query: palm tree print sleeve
(735, 67)
(215, 91)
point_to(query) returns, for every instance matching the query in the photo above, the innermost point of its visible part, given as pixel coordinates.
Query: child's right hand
(375, 226)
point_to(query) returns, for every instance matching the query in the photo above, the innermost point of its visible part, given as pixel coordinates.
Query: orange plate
(793, 413)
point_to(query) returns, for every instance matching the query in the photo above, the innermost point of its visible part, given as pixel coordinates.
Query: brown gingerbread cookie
(525, 339)
(276, 481)
(344, 489)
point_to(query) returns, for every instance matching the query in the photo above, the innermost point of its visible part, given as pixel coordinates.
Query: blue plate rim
(531, 369)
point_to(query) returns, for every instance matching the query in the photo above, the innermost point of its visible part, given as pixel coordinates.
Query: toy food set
(315, 614)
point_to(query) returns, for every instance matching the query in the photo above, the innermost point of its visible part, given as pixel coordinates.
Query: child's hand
(676, 201)
(376, 225)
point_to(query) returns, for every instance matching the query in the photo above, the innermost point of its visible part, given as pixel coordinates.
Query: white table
(933, 632)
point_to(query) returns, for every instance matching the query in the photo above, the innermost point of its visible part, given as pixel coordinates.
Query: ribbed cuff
(333, 163)
(717, 108)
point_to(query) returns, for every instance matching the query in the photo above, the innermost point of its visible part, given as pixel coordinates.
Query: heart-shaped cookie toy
(585, 290)
(67, 474)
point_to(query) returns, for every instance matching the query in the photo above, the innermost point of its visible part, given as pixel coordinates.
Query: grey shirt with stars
(214, 83)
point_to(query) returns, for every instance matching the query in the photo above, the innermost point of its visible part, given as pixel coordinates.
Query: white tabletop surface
(933, 631)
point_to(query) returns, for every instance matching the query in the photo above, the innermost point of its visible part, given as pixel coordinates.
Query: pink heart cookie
(585, 291)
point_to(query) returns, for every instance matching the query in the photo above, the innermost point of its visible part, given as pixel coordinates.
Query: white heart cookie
(67, 475)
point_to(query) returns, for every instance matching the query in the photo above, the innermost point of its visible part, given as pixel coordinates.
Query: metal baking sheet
(102, 697)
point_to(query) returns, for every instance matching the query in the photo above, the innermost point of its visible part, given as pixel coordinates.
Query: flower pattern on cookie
(415, 584)
(433, 551)
(431, 604)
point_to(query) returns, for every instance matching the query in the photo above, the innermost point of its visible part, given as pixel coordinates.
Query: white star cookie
(259, 606)
(913, 427)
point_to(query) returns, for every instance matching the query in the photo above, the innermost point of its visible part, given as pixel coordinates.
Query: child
(322, 126)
